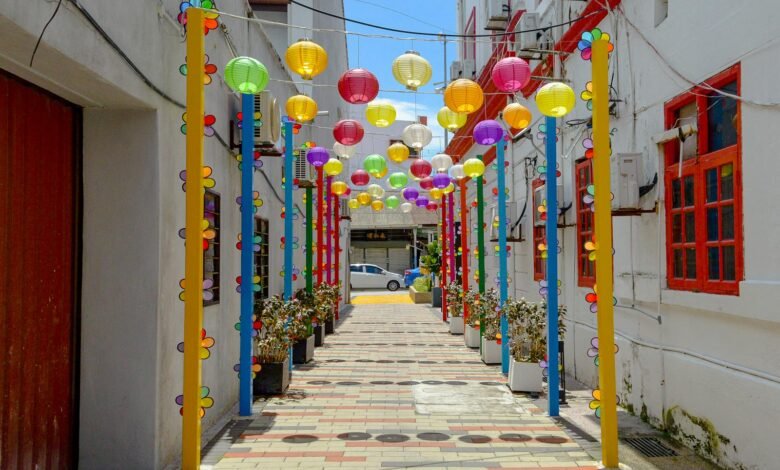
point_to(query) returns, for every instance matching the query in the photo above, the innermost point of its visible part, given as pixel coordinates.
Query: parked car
(410, 275)
(370, 276)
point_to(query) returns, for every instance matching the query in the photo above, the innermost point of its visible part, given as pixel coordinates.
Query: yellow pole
(603, 226)
(193, 254)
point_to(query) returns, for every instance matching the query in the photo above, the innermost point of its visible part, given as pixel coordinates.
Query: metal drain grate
(650, 447)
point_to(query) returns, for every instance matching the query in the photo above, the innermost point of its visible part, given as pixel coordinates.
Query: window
(356, 268)
(703, 192)
(211, 255)
(373, 269)
(586, 268)
(540, 238)
(261, 259)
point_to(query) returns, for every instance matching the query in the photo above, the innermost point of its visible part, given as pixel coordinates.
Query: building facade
(695, 236)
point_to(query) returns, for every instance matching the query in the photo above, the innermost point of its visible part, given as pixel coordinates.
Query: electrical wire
(40, 36)
(398, 12)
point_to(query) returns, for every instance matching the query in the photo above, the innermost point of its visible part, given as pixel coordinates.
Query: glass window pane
(690, 227)
(727, 182)
(677, 263)
(676, 199)
(727, 222)
(688, 190)
(677, 228)
(690, 263)
(729, 264)
(712, 224)
(722, 119)
(711, 183)
(713, 262)
(688, 114)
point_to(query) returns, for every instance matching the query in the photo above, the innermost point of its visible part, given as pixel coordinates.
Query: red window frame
(470, 29)
(586, 269)
(539, 237)
(693, 204)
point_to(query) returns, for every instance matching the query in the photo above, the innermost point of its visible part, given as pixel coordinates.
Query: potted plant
(325, 298)
(471, 336)
(432, 262)
(420, 291)
(272, 345)
(300, 330)
(490, 317)
(307, 299)
(528, 343)
(455, 307)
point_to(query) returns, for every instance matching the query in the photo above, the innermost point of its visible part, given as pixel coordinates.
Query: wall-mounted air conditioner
(540, 195)
(527, 38)
(511, 218)
(462, 69)
(268, 135)
(497, 15)
(625, 179)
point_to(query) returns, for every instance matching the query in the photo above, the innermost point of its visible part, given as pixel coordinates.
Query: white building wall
(695, 363)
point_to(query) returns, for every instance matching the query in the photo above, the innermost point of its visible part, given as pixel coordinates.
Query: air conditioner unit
(527, 38)
(511, 218)
(469, 68)
(497, 15)
(302, 170)
(456, 70)
(540, 195)
(268, 135)
(625, 181)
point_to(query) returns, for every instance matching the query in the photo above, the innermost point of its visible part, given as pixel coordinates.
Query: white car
(370, 276)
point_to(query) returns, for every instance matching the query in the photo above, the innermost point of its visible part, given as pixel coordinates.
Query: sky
(377, 54)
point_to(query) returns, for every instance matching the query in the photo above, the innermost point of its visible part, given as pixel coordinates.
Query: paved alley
(393, 389)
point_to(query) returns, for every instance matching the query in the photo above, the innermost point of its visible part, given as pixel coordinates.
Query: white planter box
(471, 337)
(491, 351)
(525, 376)
(456, 325)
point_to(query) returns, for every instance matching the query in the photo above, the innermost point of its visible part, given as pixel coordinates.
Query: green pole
(309, 240)
(481, 248)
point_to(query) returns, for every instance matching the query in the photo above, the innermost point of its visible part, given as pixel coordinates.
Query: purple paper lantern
(317, 156)
(488, 132)
(421, 201)
(441, 180)
(410, 194)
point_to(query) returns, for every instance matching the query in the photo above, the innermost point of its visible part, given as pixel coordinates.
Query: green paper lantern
(246, 75)
(397, 181)
(392, 202)
(374, 164)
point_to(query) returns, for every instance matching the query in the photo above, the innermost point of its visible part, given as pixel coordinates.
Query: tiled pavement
(393, 389)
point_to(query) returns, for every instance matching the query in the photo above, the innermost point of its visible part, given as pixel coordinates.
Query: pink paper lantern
(358, 86)
(348, 132)
(360, 178)
(426, 183)
(511, 74)
(421, 168)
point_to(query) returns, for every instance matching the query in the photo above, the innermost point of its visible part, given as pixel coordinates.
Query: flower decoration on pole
(358, 86)
(411, 70)
(398, 152)
(208, 70)
(510, 74)
(421, 168)
(333, 167)
(360, 178)
(246, 75)
(441, 162)
(517, 116)
(488, 132)
(375, 164)
(593, 351)
(451, 120)
(380, 114)
(206, 343)
(348, 132)
(463, 96)
(210, 18)
(208, 121)
(416, 136)
(205, 401)
(301, 108)
(317, 156)
(343, 151)
(587, 39)
(306, 58)
(586, 95)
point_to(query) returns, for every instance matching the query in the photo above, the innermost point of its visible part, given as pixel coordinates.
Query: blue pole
(247, 267)
(502, 269)
(552, 268)
(288, 215)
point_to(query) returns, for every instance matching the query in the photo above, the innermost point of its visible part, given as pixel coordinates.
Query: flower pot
(419, 297)
(319, 334)
(330, 326)
(456, 325)
(525, 376)
(491, 351)
(436, 297)
(303, 350)
(273, 378)
(471, 338)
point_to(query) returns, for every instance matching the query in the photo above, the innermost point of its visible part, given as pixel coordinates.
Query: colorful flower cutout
(209, 233)
(544, 289)
(208, 181)
(592, 298)
(256, 367)
(594, 350)
(587, 40)
(256, 241)
(542, 169)
(255, 284)
(587, 95)
(587, 143)
(210, 22)
(257, 162)
(206, 342)
(545, 366)
(205, 401)
(256, 201)
(208, 294)
(208, 70)
(542, 132)
(208, 121)
(595, 404)
(257, 119)
(257, 325)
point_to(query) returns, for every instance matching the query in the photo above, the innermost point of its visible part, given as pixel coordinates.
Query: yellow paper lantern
(364, 199)
(398, 152)
(555, 99)
(353, 203)
(375, 191)
(377, 205)
(338, 188)
(411, 70)
(380, 114)
(306, 58)
(333, 167)
(517, 116)
(380, 174)
(436, 193)
(301, 108)
(451, 120)
(474, 168)
(463, 96)
(450, 188)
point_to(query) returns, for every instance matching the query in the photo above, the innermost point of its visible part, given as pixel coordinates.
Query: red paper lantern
(421, 168)
(510, 74)
(426, 183)
(431, 206)
(358, 86)
(360, 178)
(348, 132)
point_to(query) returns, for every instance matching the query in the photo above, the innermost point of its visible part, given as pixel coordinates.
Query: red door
(39, 230)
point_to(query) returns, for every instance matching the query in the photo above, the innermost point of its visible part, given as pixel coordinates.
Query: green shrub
(422, 284)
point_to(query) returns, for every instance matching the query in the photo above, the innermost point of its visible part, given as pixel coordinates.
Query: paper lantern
(421, 201)
(301, 108)
(427, 183)
(353, 203)
(417, 136)
(392, 202)
(398, 180)
(463, 96)
(441, 180)
(449, 188)
(555, 99)
(411, 70)
(358, 86)
(374, 164)
(246, 75)
(306, 58)
(348, 132)
(517, 116)
(343, 151)
(377, 205)
(364, 199)
(410, 194)
(457, 172)
(317, 156)
(338, 188)
(432, 206)
(421, 168)
(510, 74)
(360, 178)
(381, 174)
(333, 167)
(436, 193)
(375, 191)
(474, 168)
(451, 120)
(398, 152)
(488, 132)
(380, 114)
(406, 207)
(441, 162)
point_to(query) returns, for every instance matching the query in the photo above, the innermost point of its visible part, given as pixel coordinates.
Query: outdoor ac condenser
(268, 134)
(625, 181)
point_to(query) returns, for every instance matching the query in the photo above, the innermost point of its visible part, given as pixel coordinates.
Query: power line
(398, 12)
(40, 36)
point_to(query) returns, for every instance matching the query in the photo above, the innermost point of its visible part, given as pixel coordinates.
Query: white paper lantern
(457, 172)
(406, 207)
(343, 151)
(441, 162)
(417, 136)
